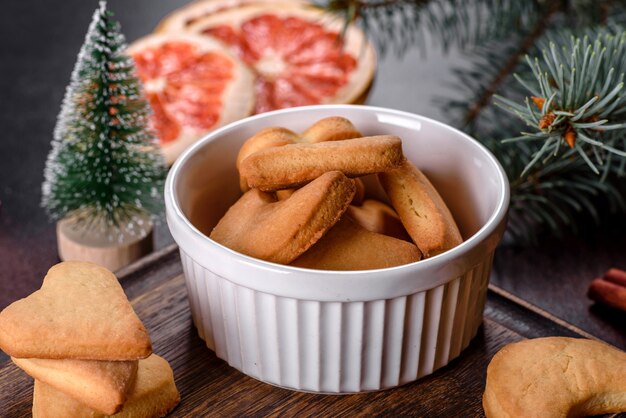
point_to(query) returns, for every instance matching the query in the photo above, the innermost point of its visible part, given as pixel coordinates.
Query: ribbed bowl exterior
(339, 331)
(336, 347)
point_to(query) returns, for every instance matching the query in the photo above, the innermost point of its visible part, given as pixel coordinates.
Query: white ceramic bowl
(332, 331)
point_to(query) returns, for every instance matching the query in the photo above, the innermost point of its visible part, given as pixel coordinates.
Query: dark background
(38, 46)
(39, 42)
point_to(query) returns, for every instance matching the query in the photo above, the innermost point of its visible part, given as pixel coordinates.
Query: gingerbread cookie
(260, 226)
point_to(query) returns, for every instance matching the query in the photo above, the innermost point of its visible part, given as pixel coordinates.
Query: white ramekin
(332, 331)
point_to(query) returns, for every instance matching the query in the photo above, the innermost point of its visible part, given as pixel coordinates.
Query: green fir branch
(576, 100)
(470, 107)
(553, 195)
(400, 24)
(553, 185)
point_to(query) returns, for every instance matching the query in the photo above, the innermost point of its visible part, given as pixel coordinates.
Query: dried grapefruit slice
(296, 53)
(181, 19)
(193, 84)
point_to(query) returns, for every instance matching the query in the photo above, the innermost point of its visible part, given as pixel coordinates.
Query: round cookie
(555, 377)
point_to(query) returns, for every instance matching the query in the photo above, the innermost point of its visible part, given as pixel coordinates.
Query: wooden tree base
(75, 243)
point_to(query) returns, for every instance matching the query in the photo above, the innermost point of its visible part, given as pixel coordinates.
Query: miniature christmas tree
(104, 170)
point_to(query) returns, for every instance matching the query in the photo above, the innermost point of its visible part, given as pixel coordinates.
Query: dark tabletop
(209, 387)
(38, 46)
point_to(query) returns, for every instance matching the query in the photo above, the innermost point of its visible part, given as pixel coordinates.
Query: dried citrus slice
(182, 18)
(295, 52)
(193, 84)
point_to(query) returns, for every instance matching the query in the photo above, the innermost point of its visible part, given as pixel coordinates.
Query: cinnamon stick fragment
(616, 276)
(608, 293)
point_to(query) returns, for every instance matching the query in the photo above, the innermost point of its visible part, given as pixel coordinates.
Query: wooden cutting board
(209, 387)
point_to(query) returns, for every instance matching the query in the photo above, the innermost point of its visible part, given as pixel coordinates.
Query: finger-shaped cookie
(266, 138)
(349, 246)
(101, 385)
(555, 377)
(296, 164)
(80, 312)
(333, 128)
(279, 231)
(423, 212)
(378, 217)
(152, 394)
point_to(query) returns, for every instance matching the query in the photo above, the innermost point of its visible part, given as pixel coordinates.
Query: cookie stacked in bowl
(330, 330)
(304, 201)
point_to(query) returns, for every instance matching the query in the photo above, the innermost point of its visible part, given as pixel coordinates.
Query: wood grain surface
(209, 387)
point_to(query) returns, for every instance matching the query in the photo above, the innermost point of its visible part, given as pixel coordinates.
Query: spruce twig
(551, 196)
(509, 66)
(576, 100)
(554, 196)
(552, 184)
(399, 24)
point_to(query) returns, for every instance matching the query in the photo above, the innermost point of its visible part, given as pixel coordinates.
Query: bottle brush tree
(104, 171)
